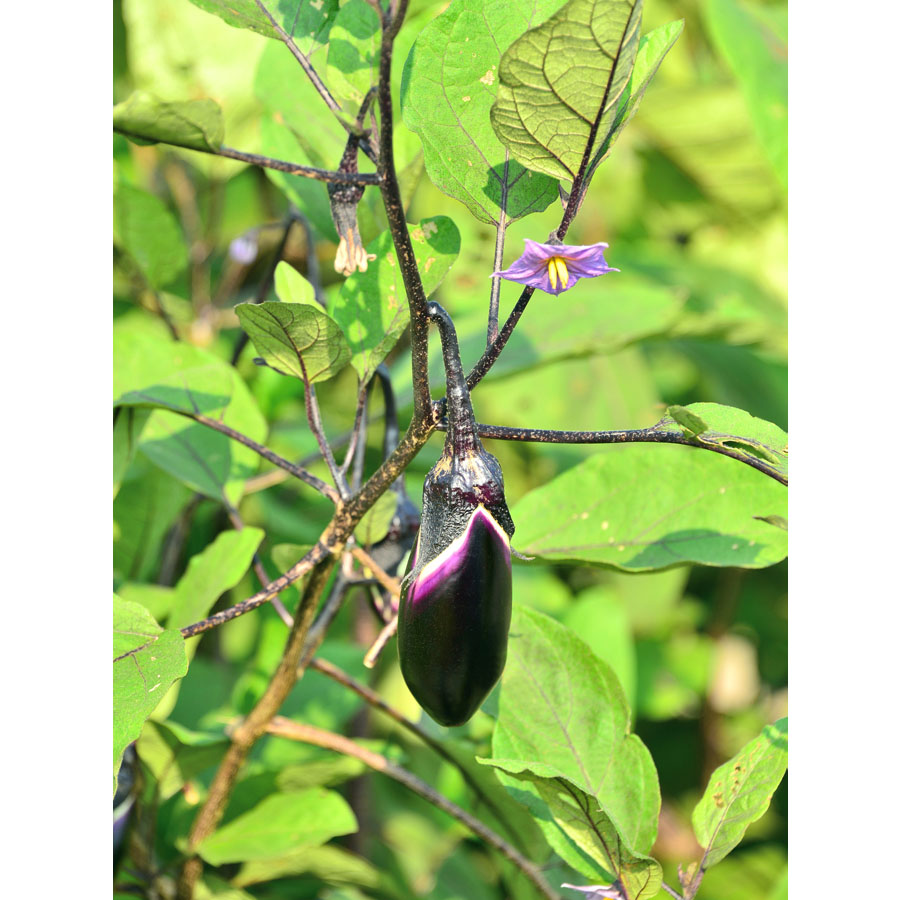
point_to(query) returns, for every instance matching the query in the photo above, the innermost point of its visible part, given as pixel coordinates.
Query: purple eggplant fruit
(456, 599)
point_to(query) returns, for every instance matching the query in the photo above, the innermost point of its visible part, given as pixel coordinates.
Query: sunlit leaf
(561, 84)
(641, 507)
(739, 792)
(353, 52)
(449, 84)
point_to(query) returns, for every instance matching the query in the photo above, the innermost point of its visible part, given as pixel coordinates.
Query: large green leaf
(449, 85)
(589, 827)
(371, 306)
(195, 124)
(218, 568)
(739, 792)
(145, 229)
(561, 84)
(306, 21)
(279, 824)
(173, 375)
(353, 53)
(295, 338)
(758, 58)
(561, 707)
(641, 507)
(146, 661)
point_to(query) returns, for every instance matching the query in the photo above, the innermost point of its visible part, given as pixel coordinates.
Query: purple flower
(555, 268)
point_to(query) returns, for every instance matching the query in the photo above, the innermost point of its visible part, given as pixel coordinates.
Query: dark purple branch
(629, 436)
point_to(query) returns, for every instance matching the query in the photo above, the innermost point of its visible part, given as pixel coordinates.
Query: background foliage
(693, 205)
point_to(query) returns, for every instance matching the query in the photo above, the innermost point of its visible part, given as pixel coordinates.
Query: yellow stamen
(556, 269)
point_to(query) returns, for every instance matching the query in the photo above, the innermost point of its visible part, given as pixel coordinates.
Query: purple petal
(582, 261)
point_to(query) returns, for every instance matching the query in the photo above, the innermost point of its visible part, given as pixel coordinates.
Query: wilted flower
(351, 254)
(555, 268)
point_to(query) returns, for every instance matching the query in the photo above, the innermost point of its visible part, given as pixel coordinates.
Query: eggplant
(456, 599)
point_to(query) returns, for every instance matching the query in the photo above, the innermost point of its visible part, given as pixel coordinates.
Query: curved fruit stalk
(457, 597)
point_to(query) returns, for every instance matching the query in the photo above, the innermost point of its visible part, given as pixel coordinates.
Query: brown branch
(308, 734)
(375, 651)
(253, 727)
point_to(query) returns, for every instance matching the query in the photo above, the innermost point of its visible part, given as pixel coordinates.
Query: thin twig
(629, 436)
(356, 430)
(314, 417)
(329, 610)
(318, 737)
(295, 470)
(268, 162)
(375, 651)
(164, 315)
(305, 64)
(318, 553)
(260, 569)
(671, 891)
(247, 732)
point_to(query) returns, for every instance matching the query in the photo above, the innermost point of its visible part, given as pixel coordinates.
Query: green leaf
(218, 568)
(353, 53)
(758, 58)
(589, 827)
(727, 426)
(651, 51)
(146, 230)
(295, 338)
(278, 824)
(306, 21)
(739, 792)
(195, 124)
(372, 307)
(563, 708)
(174, 375)
(449, 85)
(146, 661)
(292, 287)
(376, 523)
(175, 755)
(561, 84)
(127, 427)
(641, 507)
(331, 864)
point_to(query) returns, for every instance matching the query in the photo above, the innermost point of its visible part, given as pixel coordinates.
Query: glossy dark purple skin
(454, 622)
